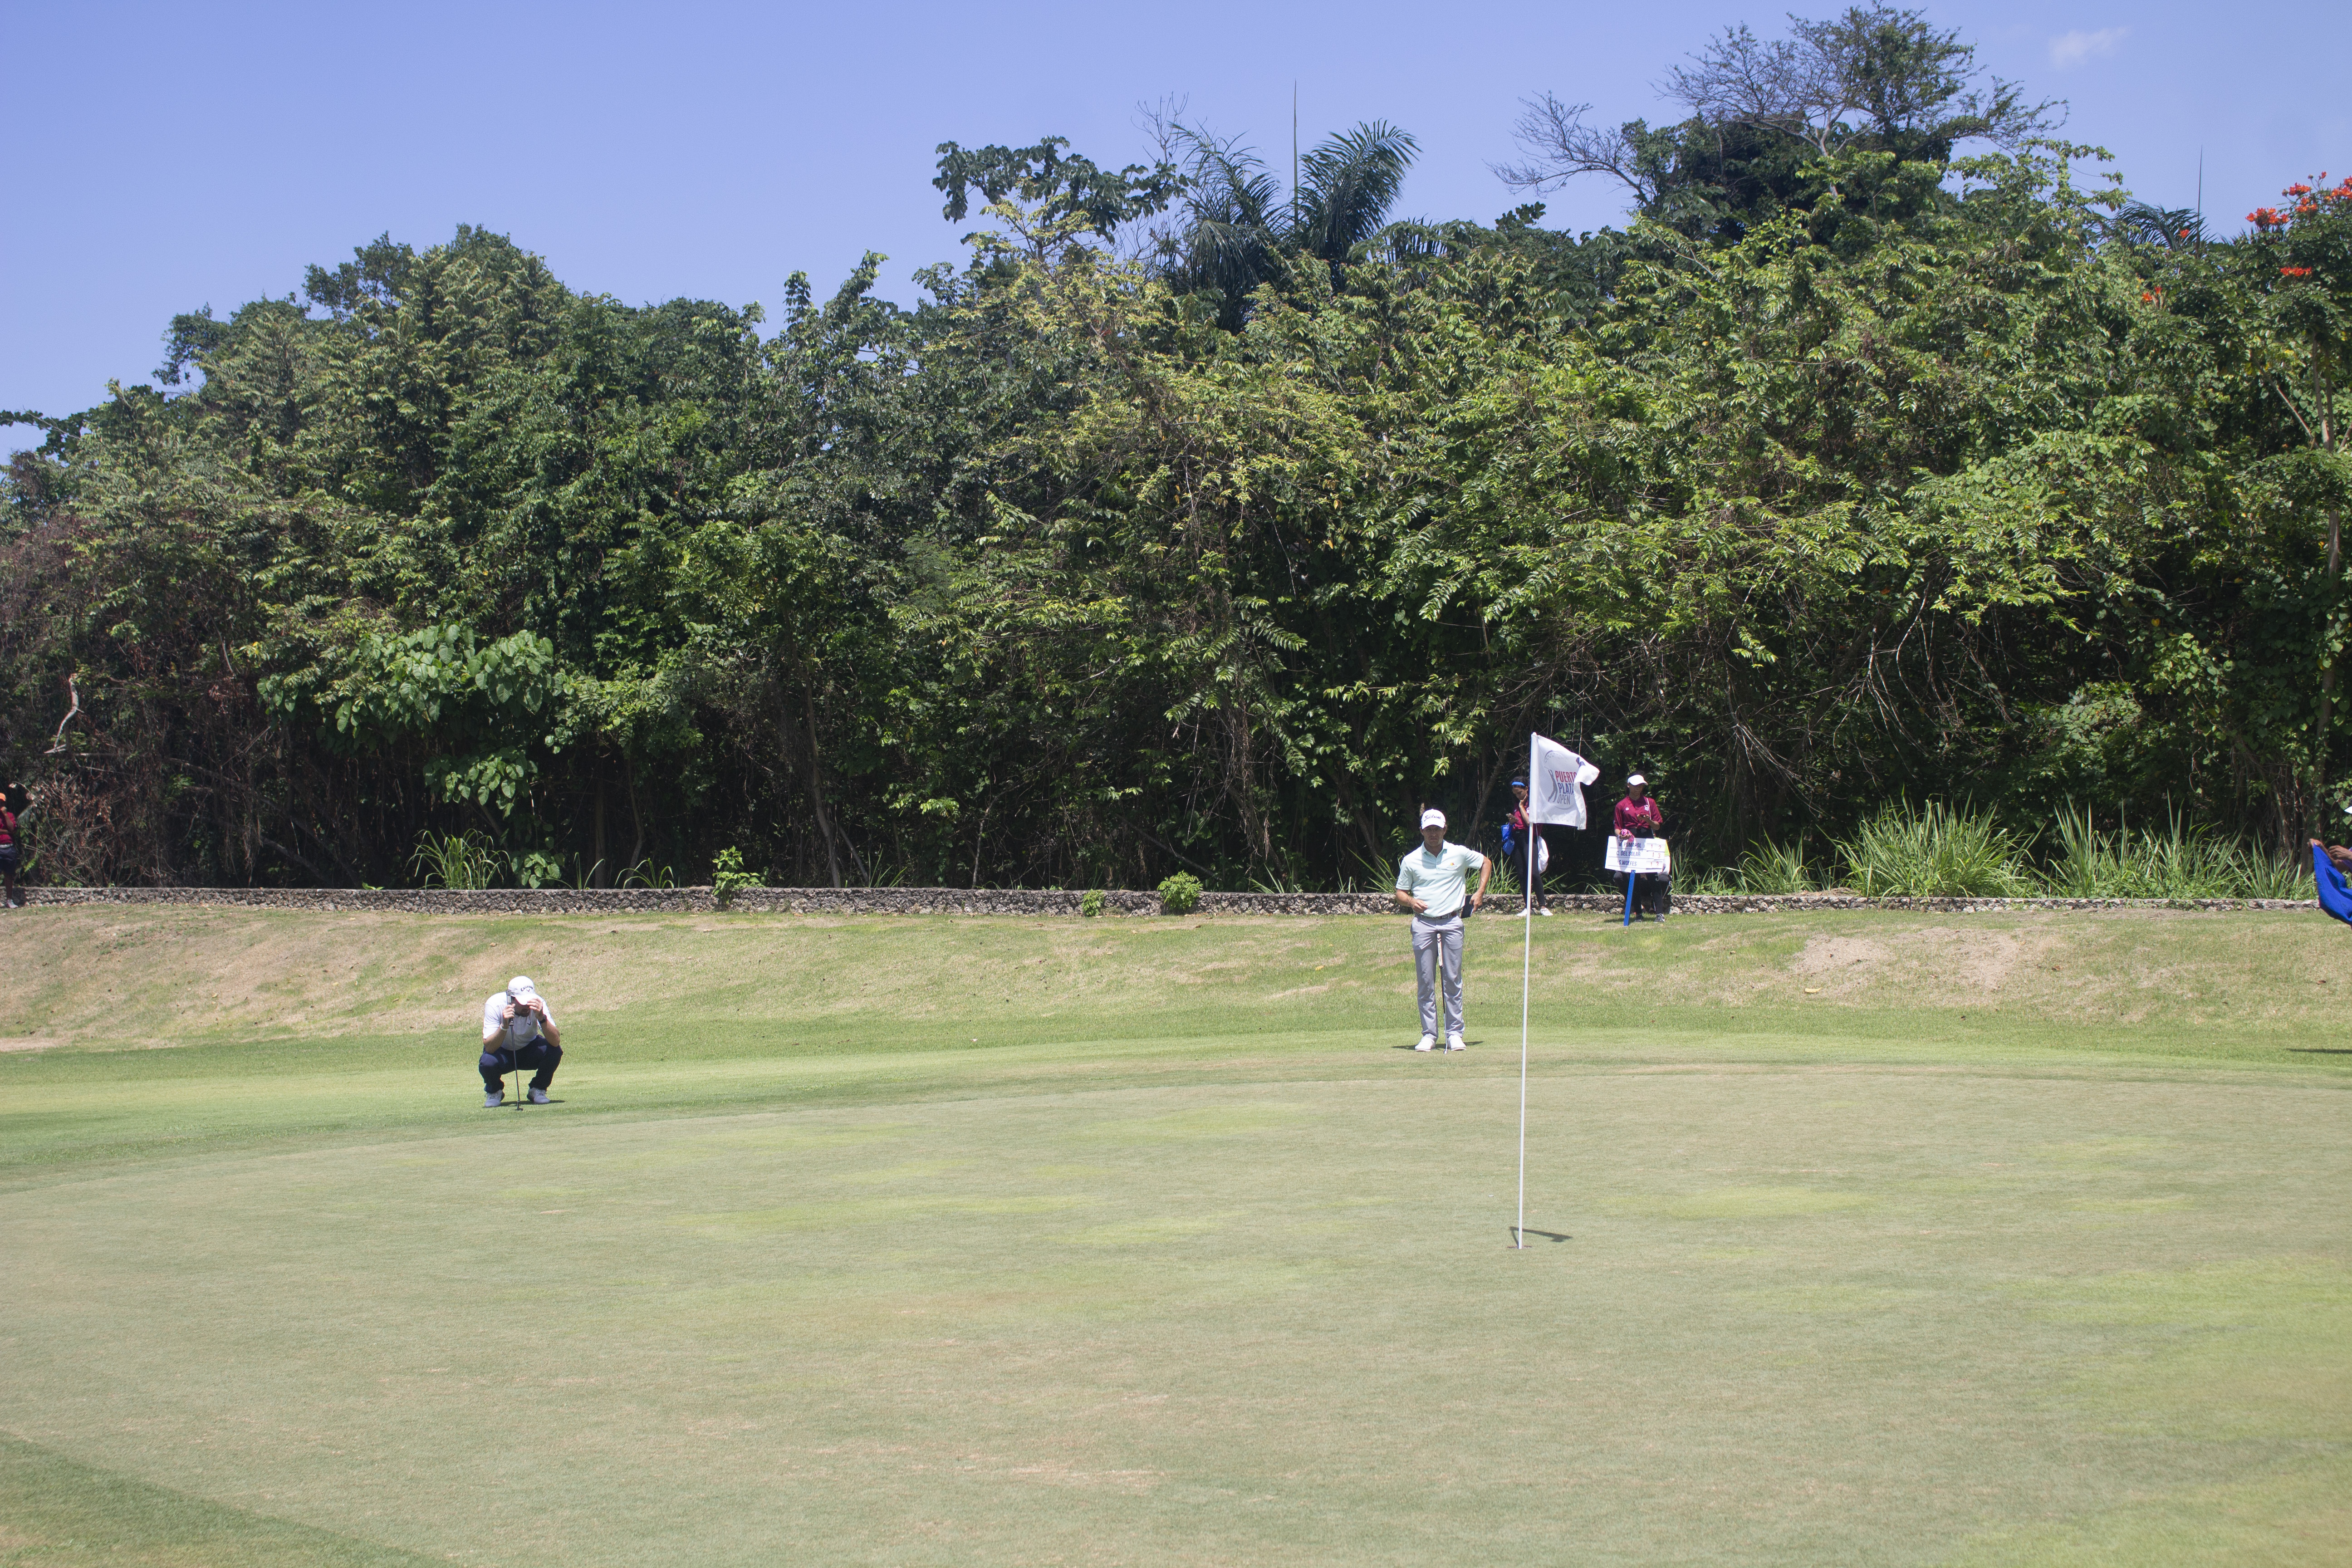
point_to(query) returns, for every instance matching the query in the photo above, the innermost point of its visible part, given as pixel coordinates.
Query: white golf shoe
(1454, 1042)
(1545, 912)
(493, 1098)
(1428, 1043)
(539, 1096)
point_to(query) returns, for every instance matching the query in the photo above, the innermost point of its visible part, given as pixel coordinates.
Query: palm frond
(1346, 187)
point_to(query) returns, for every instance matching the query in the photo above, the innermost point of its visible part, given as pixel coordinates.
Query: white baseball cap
(521, 989)
(1635, 779)
(1433, 817)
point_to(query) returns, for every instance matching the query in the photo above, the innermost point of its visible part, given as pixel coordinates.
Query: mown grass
(1877, 1239)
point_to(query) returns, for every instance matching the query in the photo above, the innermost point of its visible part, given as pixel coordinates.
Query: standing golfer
(519, 1031)
(1430, 883)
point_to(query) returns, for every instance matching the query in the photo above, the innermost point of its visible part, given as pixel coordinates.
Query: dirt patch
(1834, 955)
(28, 1043)
(1934, 964)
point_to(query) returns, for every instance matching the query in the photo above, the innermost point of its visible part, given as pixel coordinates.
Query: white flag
(1556, 781)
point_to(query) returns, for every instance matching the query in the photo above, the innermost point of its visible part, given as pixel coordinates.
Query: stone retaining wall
(1016, 901)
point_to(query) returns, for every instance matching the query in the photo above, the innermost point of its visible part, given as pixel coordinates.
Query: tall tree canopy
(1765, 114)
(1886, 473)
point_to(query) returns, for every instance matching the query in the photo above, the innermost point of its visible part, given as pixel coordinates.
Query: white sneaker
(1454, 1042)
(539, 1096)
(493, 1098)
(1428, 1043)
(1545, 912)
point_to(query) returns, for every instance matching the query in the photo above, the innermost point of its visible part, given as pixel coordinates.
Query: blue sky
(169, 156)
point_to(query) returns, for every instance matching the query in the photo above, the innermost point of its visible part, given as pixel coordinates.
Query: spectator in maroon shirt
(1640, 816)
(9, 851)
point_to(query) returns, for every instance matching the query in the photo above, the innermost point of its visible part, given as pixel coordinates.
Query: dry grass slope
(164, 976)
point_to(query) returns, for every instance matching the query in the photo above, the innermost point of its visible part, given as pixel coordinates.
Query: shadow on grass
(61, 1510)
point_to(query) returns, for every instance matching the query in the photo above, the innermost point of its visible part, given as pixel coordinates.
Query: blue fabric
(2334, 896)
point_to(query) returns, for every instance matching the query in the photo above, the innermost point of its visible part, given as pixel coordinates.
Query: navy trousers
(539, 1054)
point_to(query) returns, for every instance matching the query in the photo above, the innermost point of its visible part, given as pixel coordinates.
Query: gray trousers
(1434, 948)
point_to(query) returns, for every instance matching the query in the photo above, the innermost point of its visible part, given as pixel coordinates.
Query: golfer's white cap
(1433, 817)
(521, 989)
(1635, 779)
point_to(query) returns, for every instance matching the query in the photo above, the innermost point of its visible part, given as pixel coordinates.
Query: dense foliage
(1899, 476)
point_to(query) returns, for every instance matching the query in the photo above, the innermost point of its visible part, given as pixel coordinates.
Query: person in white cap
(1639, 815)
(519, 1031)
(1431, 883)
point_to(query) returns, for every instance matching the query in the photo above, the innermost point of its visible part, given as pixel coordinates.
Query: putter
(514, 1056)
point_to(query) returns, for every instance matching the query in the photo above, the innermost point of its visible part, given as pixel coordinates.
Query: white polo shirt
(1438, 881)
(519, 1033)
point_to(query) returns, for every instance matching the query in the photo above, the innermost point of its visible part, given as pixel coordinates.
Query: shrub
(1090, 902)
(728, 876)
(1934, 852)
(1179, 894)
(535, 868)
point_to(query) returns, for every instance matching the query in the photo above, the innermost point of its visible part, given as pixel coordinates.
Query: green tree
(1763, 114)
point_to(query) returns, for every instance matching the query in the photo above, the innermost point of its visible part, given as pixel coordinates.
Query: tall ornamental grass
(1771, 868)
(463, 860)
(1767, 868)
(1942, 851)
(1934, 851)
(2178, 863)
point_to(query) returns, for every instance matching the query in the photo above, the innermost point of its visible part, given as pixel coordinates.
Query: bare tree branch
(1560, 146)
(1787, 86)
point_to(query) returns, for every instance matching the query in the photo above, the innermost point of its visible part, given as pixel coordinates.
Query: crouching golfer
(1430, 883)
(519, 1031)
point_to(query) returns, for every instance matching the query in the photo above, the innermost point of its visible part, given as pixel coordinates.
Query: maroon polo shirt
(1641, 815)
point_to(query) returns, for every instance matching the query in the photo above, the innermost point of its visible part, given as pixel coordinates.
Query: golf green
(1852, 1239)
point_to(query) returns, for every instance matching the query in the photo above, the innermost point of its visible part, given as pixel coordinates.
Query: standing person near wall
(10, 850)
(1521, 836)
(1639, 815)
(1431, 883)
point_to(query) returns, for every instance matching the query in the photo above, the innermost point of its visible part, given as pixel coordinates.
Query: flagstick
(1527, 962)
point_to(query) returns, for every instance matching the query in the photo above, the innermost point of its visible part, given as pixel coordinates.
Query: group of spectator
(1638, 815)
(1432, 883)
